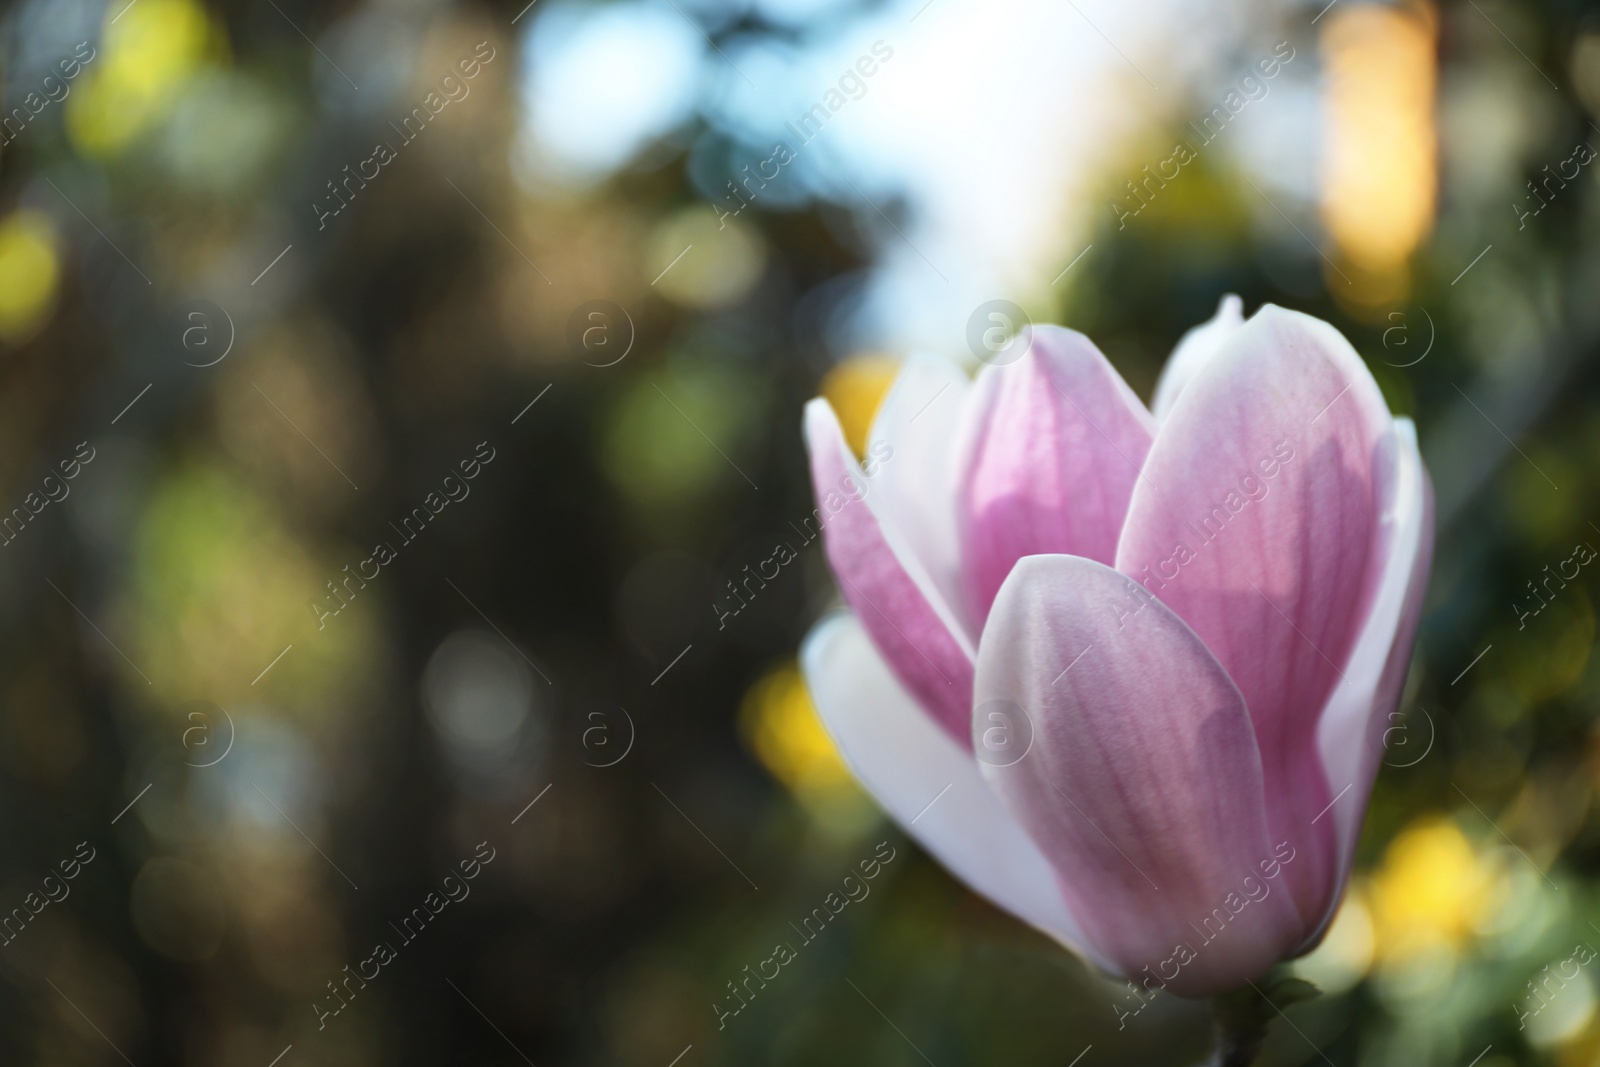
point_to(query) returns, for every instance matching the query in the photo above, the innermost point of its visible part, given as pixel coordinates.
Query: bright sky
(995, 121)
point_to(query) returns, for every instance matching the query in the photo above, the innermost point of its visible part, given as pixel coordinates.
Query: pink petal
(1194, 351)
(1351, 734)
(1047, 461)
(1143, 784)
(1257, 522)
(911, 444)
(928, 783)
(900, 607)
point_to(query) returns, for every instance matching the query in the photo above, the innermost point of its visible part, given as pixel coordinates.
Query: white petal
(916, 483)
(928, 784)
(1350, 733)
(1193, 350)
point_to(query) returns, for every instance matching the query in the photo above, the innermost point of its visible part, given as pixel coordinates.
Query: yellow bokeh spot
(1347, 949)
(1431, 890)
(781, 726)
(29, 271)
(1583, 1049)
(146, 56)
(1380, 173)
(855, 388)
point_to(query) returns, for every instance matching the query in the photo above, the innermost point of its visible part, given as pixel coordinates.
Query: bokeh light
(1380, 170)
(145, 58)
(782, 728)
(29, 274)
(855, 387)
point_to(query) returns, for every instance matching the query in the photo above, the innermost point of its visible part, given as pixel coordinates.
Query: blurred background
(389, 391)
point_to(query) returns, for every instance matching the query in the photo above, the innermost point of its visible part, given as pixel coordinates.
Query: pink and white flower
(1112, 666)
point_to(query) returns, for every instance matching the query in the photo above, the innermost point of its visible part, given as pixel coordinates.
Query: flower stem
(1237, 1022)
(1240, 1018)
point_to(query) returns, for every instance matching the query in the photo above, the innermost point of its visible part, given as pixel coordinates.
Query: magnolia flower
(1123, 672)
